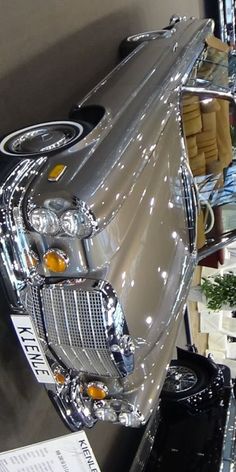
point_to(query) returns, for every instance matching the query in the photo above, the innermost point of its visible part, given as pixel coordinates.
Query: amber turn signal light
(59, 378)
(97, 390)
(56, 172)
(56, 260)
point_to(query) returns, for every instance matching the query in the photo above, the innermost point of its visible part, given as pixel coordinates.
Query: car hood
(146, 247)
(136, 193)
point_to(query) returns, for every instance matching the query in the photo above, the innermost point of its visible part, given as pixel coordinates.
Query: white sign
(32, 348)
(71, 453)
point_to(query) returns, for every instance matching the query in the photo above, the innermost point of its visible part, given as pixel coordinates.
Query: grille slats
(75, 326)
(30, 300)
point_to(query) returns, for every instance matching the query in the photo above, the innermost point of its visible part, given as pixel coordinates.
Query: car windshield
(209, 126)
(215, 68)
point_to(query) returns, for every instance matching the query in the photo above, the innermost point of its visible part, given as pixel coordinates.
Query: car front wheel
(183, 379)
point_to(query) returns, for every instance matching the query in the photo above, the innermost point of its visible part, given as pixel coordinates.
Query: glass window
(209, 126)
(214, 69)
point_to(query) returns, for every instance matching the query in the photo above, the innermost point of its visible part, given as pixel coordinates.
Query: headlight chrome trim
(51, 227)
(80, 209)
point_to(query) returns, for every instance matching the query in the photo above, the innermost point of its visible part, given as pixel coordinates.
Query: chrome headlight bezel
(85, 226)
(37, 219)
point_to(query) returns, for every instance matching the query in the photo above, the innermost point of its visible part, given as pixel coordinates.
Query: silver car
(99, 234)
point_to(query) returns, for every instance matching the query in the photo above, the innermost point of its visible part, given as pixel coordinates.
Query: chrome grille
(30, 299)
(81, 313)
(75, 325)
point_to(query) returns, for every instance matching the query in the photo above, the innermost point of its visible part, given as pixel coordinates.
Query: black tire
(184, 379)
(87, 128)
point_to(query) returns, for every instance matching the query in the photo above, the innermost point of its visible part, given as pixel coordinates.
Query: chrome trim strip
(191, 204)
(213, 91)
(66, 317)
(151, 35)
(79, 324)
(92, 326)
(13, 235)
(55, 318)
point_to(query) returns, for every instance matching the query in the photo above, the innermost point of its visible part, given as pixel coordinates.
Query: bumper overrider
(77, 324)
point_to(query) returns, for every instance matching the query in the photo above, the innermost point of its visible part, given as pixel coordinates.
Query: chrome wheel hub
(179, 379)
(41, 138)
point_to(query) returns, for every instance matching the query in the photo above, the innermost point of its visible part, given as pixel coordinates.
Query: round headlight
(44, 221)
(76, 223)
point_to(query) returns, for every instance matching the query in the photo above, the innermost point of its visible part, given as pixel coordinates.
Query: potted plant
(218, 291)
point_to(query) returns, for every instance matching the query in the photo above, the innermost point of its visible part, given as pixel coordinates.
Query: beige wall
(53, 51)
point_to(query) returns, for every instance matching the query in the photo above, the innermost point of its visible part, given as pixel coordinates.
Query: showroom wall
(54, 51)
